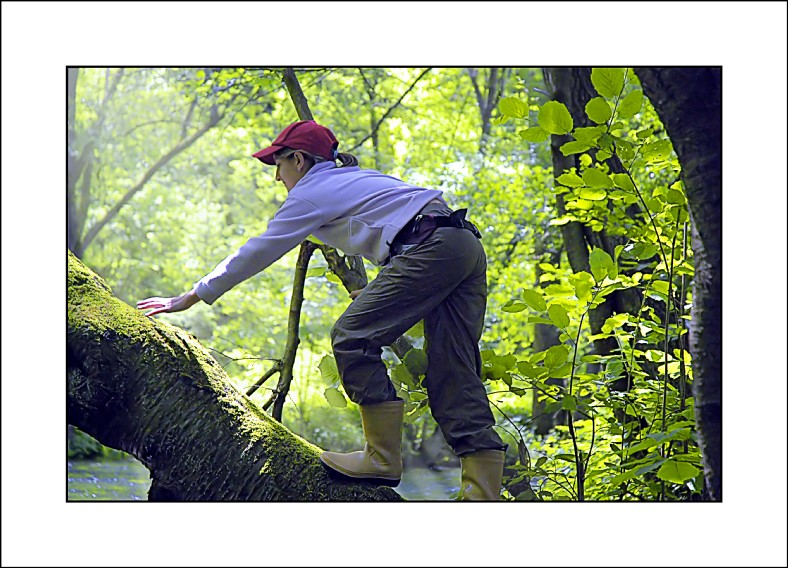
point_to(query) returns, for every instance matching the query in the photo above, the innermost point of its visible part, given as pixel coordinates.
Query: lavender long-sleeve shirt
(356, 211)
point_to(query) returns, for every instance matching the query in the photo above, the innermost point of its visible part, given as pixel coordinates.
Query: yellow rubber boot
(482, 475)
(381, 458)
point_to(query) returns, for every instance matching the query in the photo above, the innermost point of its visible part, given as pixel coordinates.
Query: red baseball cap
(304, 135)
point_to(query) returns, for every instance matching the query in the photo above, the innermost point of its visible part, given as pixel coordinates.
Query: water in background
(122, 479)
(126, 479)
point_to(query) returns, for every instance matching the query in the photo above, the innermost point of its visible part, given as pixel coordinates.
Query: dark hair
(345, 159)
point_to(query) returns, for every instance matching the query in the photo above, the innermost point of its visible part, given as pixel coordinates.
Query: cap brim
(266, 155)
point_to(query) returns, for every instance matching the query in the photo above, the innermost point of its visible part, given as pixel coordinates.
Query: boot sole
(369, 479)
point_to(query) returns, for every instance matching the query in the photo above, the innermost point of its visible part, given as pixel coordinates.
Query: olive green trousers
(443, 281)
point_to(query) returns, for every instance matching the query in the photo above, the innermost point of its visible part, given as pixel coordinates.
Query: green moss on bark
(150, 389)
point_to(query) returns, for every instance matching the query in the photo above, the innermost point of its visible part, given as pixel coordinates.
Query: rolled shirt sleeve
(292, 223)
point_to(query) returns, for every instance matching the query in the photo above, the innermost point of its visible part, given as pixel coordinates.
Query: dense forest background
(569, 171)
(586, 358)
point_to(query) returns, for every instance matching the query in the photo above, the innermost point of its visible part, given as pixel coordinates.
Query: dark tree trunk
(689, 103)
(572, 86)
(151, 390)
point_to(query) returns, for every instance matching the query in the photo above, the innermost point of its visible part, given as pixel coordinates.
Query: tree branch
(391, 108)
(277, 367)
(296, 94)
(180, 147)
(293, 322)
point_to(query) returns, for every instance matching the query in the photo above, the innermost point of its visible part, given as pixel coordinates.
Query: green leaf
(554, 117)
(631, 104)
(588, 134)
(556, 356)
(625, 149)
(601, 263)
(678, 214)
(535, 300)
(513, 306)
(655, 355)
(558, 315)
(598, 110)
(654, 205)
(565, 457)
(328, 369)
(400, 374)
(507, 361)
(644, 251)
(608, 81)
(570, 179)
(660, 286)
(317, 271)
(335, 398)
(569, 403)
(583, 282)
(623, 181)
(614, 322)
(560, 290)
(573, 147)
(534, 134)
(675, 471)
(527, 494)
(592, 194)
(331, 277)
(513, 107)
(562, 220)
(417, 330)
(529, 370)
(675, 197)
(564, 370)
(597, 179)
(656, 151)
(635, 471)
(643, 134)
(416, 362)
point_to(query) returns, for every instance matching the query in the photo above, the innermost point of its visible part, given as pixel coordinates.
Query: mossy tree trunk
(689, 103)
(150, 389)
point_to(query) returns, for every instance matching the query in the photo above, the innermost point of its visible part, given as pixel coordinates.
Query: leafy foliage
(613, 443)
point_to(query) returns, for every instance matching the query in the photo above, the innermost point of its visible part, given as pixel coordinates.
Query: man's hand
(163, 305)
(354, 294)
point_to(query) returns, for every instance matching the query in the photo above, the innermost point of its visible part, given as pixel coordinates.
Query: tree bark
(573, 87)
(688, 101)
(488, 99)
(151, 390)
(293, 324)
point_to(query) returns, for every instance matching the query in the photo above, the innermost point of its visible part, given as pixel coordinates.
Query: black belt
(422, 226)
